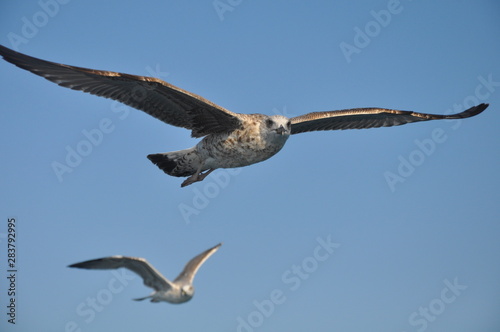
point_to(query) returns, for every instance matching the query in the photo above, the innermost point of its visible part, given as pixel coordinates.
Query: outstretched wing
(359, 118)
(160, 99)
(151, 277)
(187, 275)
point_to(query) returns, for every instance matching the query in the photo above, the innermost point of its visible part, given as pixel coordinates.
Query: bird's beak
(281, 130)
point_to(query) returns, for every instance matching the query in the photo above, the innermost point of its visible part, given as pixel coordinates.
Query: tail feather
(163, 162)
(178, 163)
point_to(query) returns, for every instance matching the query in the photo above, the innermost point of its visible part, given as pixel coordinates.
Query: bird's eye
(269, 123)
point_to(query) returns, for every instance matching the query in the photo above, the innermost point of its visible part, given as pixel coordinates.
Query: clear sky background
(413, 210)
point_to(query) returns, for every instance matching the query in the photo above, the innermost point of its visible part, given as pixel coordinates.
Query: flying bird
(229, 139)
(178, 291)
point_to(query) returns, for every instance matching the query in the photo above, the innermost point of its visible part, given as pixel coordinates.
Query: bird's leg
(202, 176)
(198, 176)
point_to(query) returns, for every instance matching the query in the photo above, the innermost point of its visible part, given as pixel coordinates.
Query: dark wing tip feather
(8, 54)
(104, 263)
(473, 111)
(470, 112)
(87, 264)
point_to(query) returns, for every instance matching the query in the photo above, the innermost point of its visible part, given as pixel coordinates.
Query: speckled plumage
(229, 139)
(251, 144)
(259, 138)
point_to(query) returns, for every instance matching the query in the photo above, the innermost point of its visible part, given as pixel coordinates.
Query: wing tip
(80, 265)
(473, 111)
(5, 51)
(90, 264)
(86, 264)
(10, 55)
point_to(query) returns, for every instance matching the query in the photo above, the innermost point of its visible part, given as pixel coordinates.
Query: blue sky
(417, 252)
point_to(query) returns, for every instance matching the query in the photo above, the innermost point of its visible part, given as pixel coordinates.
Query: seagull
(229, 139)
(178, 291)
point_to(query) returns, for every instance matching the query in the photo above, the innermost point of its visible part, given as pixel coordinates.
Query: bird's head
(187, 291)
(278, 124)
